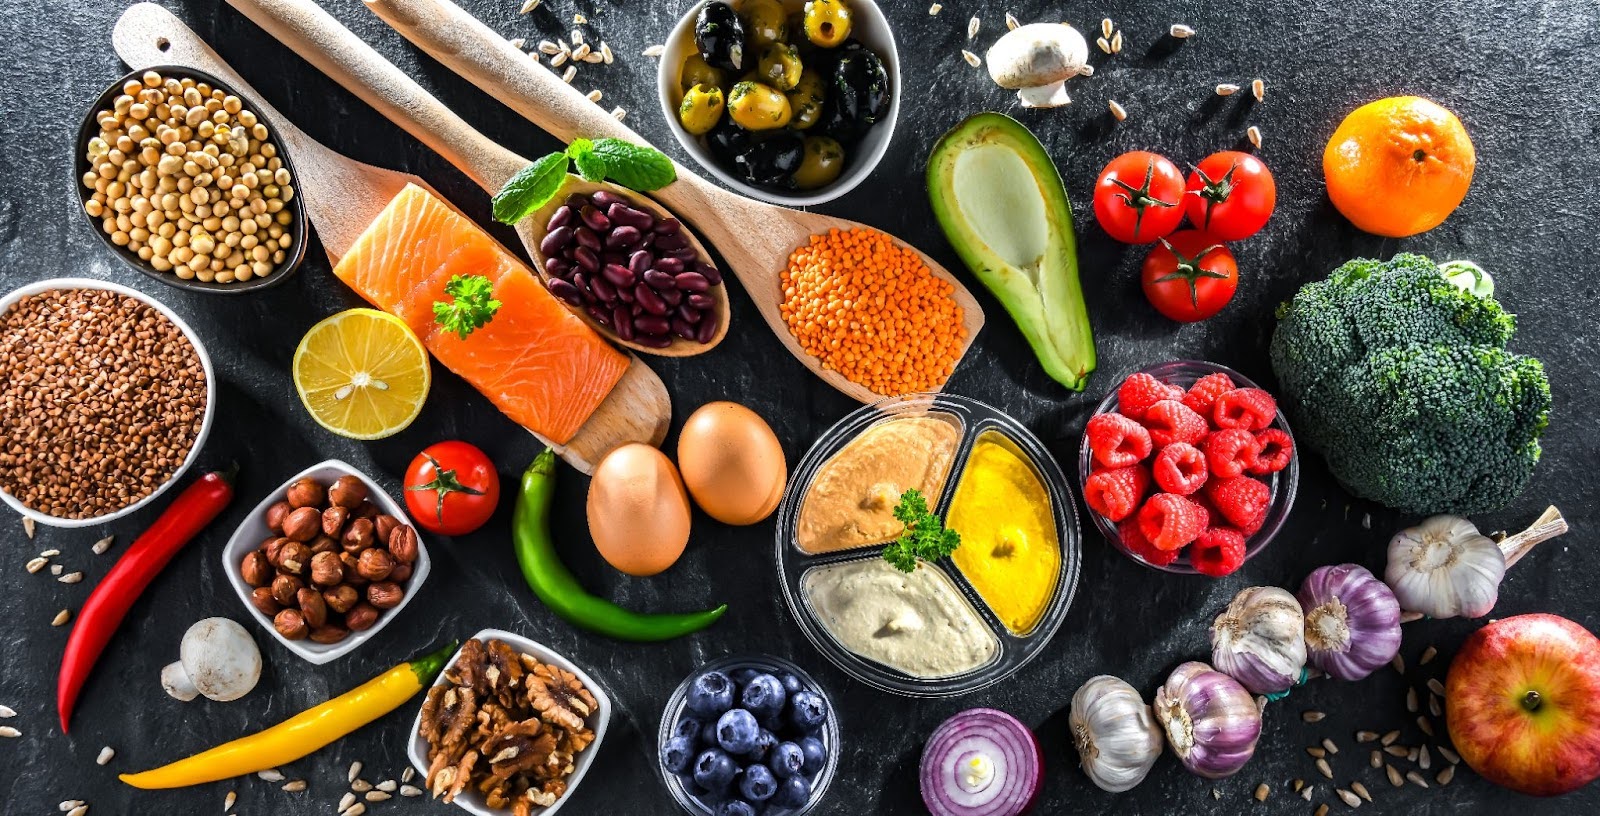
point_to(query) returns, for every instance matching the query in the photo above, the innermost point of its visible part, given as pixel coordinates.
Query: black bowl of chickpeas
(181, 177)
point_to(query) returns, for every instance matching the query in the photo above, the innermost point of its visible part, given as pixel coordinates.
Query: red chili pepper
(194, 508)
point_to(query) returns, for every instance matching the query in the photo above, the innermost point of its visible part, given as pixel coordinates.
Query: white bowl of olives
(792, 102)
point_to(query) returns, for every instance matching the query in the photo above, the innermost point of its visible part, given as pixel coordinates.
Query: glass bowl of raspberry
(1188, 467)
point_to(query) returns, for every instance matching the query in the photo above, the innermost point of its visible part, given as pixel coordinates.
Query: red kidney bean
(577, 201)
(622, 319)
(605, 198)
(594, 219)
(640, 261)
(653, 340)
(712, 275)
(557, 267)
(707, 328)
(688, 313)
(671, 242)
(565, 291)
(586, 238)
(618, 258)
(600, 315)
(673, 297)
(605, 292)
(691, 282)
(561, 218)
(683, 328)
(638, 219)
(618, 276)
(555, 240)
(704, 303)
(651, 301)
(671, 266)
(625, 294)
(658, 279)
(622, 236)
(668, 226)
(587, 260)
(685, 254)
(652, 324)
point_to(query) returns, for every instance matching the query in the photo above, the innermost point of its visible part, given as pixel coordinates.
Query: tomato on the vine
(1139, 197)
(1190, 276)
(1230, 195)
(451, 488)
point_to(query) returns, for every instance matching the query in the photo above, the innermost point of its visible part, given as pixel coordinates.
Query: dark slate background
(1520, 73)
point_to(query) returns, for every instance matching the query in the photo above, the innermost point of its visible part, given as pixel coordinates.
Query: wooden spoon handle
(338, 52)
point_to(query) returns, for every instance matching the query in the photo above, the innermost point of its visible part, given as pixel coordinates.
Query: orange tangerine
(1399, 166)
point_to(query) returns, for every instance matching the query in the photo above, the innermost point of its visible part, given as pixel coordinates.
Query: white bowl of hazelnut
(326, 561)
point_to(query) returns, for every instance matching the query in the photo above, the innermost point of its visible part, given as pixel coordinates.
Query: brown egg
(638, 511)
(732, 463)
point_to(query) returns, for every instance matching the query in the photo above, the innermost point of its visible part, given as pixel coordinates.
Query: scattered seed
(594, 95)
(551, 49)
(606, 54)
(579, 19)
(529, 5)
(1312, 716)
(581, 52)
(577, 37)
(294, 785)
(1181, 31)
(1011, 22)
(1366, 521)
(655, 50)
(408, 774)
(1307, 793)
(1407, 616)
(1117, 111)
(1216, 794)
(8, 732)
(1366, 736)
(71, 578)
(1444, 776)
(594, 58)
(410, 790)
(617, 113)
(1394, 776)
(1435, 686)
(1397, 751)
(69, 805)
(227, 801)
(972, 27)
(1316, 752)
(933, 10)
(1424, 759)
(1411, 700)
(1411, 754)
(360, 786)
(1116, 43)
(1449, 755)
(1087, 70)
(1426, 725)
(566, 76)
(378, 796)
(387, 785)
(355, 771)
(106, 755)
(518, 43)
(1361, 791)
(7, 712)
(1377, 759)
(1416, 779)
(355, 810)
(1427, 655)
(1389, 738)
(1261, 703)
(971, 58)
(1298, 785)
(559, 59)
(1322, 810)
(565, 49)
(1103, 44)
(1227, 89)
(1258, 89)
(1435, 707)
(1261, 792)
(102, 545)
(1328, 744)
(1399, 663)
(346, 801)
(1253, 133)
(36, 564)
(28, 527)
(1107, 27)
(49, 553)
(80, 810)
(1322, 768)
(271, 775)
(1348, 798)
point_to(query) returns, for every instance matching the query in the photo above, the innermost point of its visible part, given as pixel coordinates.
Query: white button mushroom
(218, 659)
(1037, 60)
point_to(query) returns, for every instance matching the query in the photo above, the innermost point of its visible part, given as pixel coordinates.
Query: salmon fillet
(535, 361)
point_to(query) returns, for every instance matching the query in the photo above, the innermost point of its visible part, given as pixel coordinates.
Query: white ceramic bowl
(205, 421)
(868, 25)
(254, 530)
(472, 801)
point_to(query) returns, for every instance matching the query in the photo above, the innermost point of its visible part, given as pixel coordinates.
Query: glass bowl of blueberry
(748, 736)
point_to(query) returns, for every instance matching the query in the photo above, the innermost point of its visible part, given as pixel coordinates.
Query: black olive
(858, 96)
(728, 140)
(720, 36)
(772, 160)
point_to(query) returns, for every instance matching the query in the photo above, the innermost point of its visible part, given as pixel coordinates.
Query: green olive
(806, 100)
(764, 22)
(696, 71)
(827, 22)
(780, 66)
(820, 166)
(755, 106)
(701, 109)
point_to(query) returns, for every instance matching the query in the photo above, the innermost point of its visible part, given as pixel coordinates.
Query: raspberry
(1203, 394)
(1115, 492)
(1171, 421)
(1249, 408)
(1180, 468)
(1171, 521)
(1241, 500)
(1117, 441)
(1217, 552)
(1230, 451)
(1276, 451)
(1140, 391)
(1136, 543)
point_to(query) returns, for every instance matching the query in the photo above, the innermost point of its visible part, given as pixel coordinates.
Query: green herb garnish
(637, 167)
(925, 537)
(473, 305)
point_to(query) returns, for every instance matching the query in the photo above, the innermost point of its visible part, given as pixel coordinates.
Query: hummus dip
(917, 623)
(851, 500)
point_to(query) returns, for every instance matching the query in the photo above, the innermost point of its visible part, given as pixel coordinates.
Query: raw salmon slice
(535, 361)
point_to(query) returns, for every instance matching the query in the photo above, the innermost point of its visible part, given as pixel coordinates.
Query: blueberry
(794, 792)
(743, 676)
(735, 807)
(786, 760)
(737, 731)
(816, 755)
(763, 696)
(714, 772)
(687, 727)
(807, 711)
(707, 738)
(791, 684)
(757, 784)
(765, 742)
(710, 695)
(678, 754)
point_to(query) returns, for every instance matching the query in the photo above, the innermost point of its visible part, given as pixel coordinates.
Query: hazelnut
(291, 624)
(333, 520)
(352, 575)
(326, 569)
(285, 588)
(400, 574)
(312, 607)
(322, 544)
(366, 510)
(375, 564)
(385, 594)
(275, 516)
(341, 598)
(303, 524)
(385, 525)
(347, 491)
(329, 633)
(261, 598)
(403, 544)
(306, 492)
(293, 557)
(272, 548)
(361, 617)
(255, 569)
(359, 536)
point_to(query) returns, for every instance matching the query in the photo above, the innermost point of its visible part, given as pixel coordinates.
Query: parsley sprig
(472, 307)
(925, 537)
(637, 167)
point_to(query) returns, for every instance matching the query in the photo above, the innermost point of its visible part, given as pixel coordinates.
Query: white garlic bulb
(1260, 640)
(1445, 568)
(1117, 736)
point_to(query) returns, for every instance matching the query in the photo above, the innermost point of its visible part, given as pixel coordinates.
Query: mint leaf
(473, 305)
(636, 167)
(591, 165)
(530, 188)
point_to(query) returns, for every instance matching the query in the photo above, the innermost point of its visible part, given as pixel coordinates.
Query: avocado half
(1000, 201)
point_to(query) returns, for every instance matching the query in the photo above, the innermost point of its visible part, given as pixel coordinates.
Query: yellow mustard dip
(1009, 549)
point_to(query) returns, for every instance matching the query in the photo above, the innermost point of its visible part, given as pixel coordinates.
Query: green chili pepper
(555, 585)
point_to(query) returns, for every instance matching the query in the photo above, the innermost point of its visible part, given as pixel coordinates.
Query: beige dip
(852, 498)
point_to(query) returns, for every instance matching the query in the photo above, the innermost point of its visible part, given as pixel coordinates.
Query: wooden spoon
(754, 238)
(343, 196)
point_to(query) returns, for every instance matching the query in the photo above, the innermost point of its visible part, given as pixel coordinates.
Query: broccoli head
(1401, 380)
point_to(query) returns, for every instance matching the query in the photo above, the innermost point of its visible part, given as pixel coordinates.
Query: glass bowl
(974, 419)
(771, 665)
(1283, 484)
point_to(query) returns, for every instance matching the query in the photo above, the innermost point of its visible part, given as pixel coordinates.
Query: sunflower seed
(933, 10)
(1399, 663)
(617, 113)
(1426, 725)
(606, 54)
(1322, 810)
(1435, 686)
(1227, 89)
(346, 801)
(360, 786)
(80, 810)
(36, 564)
(1261, 703)
(971, 58)
(1117, 111)
(1261, 792)
(1416, 779)
(567, 75)
(1253, 133)
(8, 732)
(518, 43)
(1366, 736)
(1424, 759)
(1322, 768)
(1328, 744)
(1216, 794)
(388, 785)
(1394, 776)
(1316, 752)
(1427, 655)
(1298, 785)
(1103, 44)
(271, 775)
(1011, 22)
(1377, 759)
(69, 805)
(1258, 89)
(49, 553)
(1087, 70)
(227, 801)
(1312, 716)
(28, 527)
(549, 48)
(355, 771)
(7, 712)
(1449, 756)
(594, 95)
(972, 27)
(1407, 616)
(410, 790)
(71, 578)
(577, 37)
(378, 796)
(529, 5)
(1349, 798)
(408, 774)
(355, 810)
(106, 755)
(1361, 791)
(579, 19)
(1434, 706)
(1107, 27)
(1444, 776)
(655, 50)
(594, 58)
(1116, 43)
(294, 785)
(102, 545)
(1306, 794)
(1411, 754)
(1397, 751)
(559, 59)
(1181, 31)
(1389, 738)
(581, 52)
(55, 569)
(1411, 700)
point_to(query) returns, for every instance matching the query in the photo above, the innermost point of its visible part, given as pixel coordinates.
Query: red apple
(1523, 704)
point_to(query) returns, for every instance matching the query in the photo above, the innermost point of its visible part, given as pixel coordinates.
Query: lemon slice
(362, 374)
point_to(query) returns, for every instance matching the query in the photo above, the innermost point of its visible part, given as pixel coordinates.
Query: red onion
(1211, 721)
(981, 762)
(1352, 621)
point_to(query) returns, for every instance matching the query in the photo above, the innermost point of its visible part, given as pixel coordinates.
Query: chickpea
(827, 22)
(696, 71)
(754, 106)
(701, 109)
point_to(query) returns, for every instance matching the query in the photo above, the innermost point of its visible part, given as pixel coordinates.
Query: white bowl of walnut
(571, 709)
(369, 580)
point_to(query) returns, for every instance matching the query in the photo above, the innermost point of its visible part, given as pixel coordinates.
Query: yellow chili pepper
(303, 733)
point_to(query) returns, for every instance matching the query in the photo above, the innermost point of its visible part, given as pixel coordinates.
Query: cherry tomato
(1190, 276)
(1139, 197)
(1230, 195)
(451, 488)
